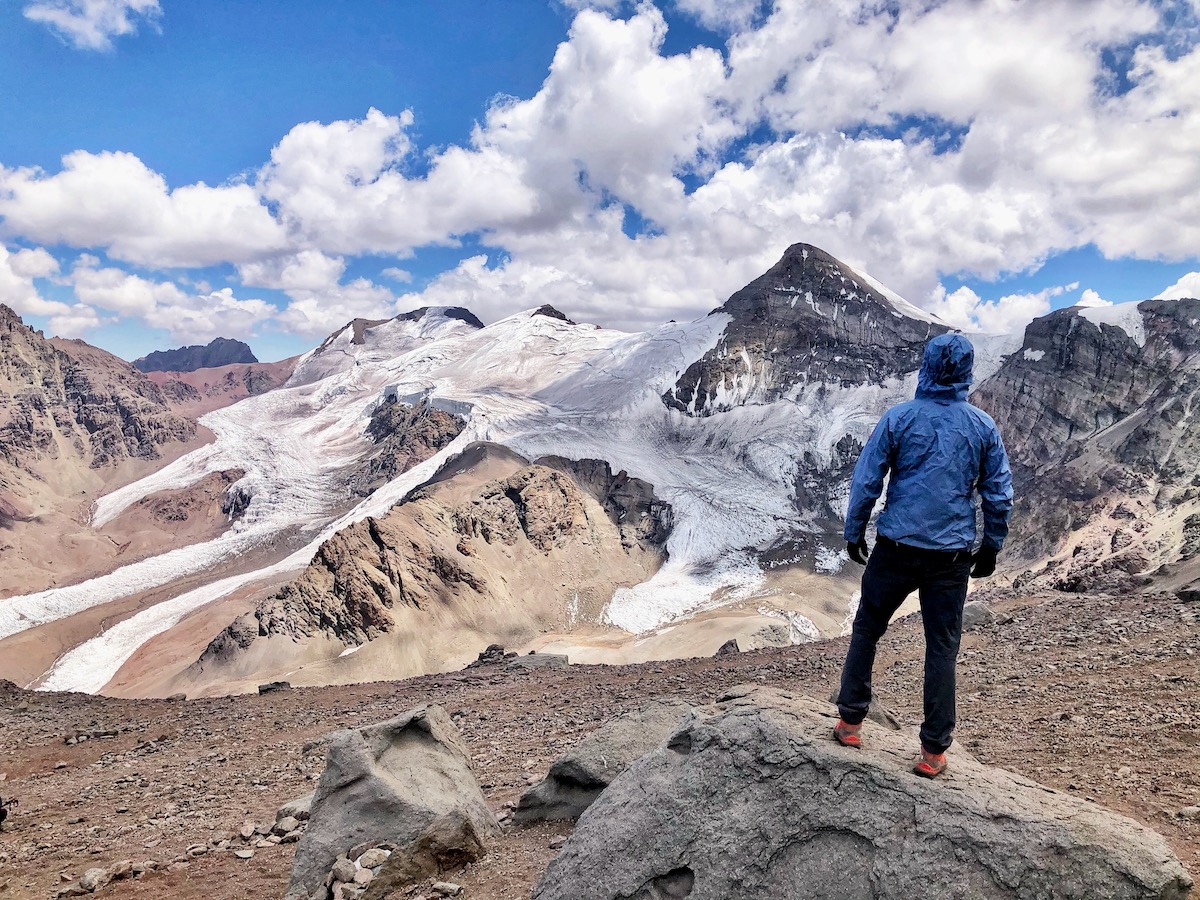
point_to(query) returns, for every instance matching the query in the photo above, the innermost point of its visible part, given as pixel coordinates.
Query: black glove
(983, 562)
(858, 551)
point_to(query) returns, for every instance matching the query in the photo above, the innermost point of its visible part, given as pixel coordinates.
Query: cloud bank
(92, 24)
(917, 141)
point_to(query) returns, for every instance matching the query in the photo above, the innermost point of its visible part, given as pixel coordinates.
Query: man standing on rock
(939, 451)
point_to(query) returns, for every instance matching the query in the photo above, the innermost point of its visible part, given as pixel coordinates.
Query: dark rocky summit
(810, 318)
(404, 436)
(217, 352)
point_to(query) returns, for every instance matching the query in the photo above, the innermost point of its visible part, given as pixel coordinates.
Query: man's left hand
(984, 562)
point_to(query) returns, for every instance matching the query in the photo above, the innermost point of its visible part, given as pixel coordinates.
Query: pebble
(244, 854)
(558, 842)
(93, 879)
(1189, 812)
(446, 888)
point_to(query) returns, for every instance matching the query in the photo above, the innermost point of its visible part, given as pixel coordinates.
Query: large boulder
(753, 800)
(406, 783)
(578, 776)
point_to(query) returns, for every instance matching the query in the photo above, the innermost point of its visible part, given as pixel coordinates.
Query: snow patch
(1034, 355)
(1125, 316)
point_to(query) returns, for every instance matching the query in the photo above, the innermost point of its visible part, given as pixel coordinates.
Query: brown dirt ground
(1095, 695)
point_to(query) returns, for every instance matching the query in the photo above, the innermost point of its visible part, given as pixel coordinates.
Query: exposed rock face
(629, 502)
(578, 776)
(405, 436)
(753, 799)
(1098, 422)
(218, 352)
(496, 555)
(66, 399)
(810, 318)
(407, 782)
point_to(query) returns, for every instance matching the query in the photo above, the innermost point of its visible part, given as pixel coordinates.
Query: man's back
(938, 450)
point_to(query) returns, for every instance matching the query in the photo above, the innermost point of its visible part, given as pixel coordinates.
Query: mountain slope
(1099, 412)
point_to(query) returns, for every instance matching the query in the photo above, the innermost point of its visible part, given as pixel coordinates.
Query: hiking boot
(930, 765)
(848, 735)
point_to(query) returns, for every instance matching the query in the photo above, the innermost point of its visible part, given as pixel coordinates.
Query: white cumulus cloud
(1186, 287)
(92, 24)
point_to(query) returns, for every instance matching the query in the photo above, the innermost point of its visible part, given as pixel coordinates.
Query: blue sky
(172, 171)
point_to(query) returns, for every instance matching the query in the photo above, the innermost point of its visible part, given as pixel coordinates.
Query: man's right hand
(858, 551)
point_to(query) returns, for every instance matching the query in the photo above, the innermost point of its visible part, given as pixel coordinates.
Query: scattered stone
(977, 614)
(494, 655)
(559, 842)
(729, 648)
(578, 776)
(343, 870)
(539, 661)
(687, 820)
(373, 858)
(292, 836)
(285, 825)
(244, 854)
(1189, 812)
(93, 879)
(446, 888)
(246, 831)
(272, 686)
(176, 698)
(363, 877)
(300, 808)
(408, 781)
(61, 764)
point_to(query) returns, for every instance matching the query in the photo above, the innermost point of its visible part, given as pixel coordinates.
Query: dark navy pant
(893, 572)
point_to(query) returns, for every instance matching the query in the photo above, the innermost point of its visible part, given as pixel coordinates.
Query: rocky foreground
(1093, 695)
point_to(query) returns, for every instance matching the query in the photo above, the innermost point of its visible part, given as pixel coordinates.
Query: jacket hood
(947, 369)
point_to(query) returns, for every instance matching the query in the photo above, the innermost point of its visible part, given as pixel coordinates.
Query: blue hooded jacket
(939, 450)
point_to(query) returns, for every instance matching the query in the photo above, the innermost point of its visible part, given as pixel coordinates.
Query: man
(939, 451)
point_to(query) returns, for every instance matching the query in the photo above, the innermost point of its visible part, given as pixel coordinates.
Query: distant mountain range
(217, 352)
(414, 489)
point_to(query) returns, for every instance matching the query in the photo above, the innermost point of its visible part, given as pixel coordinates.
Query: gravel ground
(1095, 695)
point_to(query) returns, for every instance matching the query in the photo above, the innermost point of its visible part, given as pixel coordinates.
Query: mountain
(809, 318)
(217, 352)
(73, 421)
(710, 459)
(1097, 408)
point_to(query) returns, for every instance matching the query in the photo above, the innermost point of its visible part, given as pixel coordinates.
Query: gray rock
(446, 889)
(407, 781)
(285, 825)
(373, 858)
(578, 776)
(539, 661)
(343, 870)
(878, 712)
(300, 808)
(976, 614)
(729, 648)
(93, 879)
(752, 800)
(271, 686)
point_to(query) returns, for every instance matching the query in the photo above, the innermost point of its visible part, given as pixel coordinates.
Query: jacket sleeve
(867, 484)
(995, 491)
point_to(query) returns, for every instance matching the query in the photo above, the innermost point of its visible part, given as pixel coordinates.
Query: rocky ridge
(1098, 422)
(218, 352)
(481, 563)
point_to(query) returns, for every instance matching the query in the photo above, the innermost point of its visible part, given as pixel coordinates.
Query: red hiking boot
(848, 735)
(930, 765)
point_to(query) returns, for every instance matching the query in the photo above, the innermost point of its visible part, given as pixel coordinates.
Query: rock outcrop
(218, 352)
(1097, 413)
(404, 435)
(406, 783)
(67, 399)
(483, 563)
(752, 799)
(809, 318)
(578, 776)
